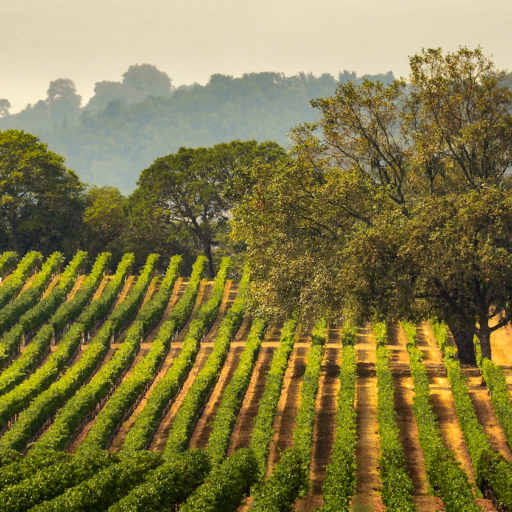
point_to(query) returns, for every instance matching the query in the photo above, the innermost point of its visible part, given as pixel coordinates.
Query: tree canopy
(41, 200)
(396, 204)
(188, 188)
(129, 123)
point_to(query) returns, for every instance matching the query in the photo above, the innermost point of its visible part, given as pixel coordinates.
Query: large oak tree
(396, 204)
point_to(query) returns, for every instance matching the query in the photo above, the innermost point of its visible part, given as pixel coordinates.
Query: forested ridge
(126, 125)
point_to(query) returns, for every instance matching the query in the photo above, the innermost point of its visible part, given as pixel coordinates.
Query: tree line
(128, 124)
(181, 205)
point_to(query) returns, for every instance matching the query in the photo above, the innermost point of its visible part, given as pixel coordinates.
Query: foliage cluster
(106, 487)
(167, 486)
(17, 279)
(290, 477)
(186, 418)
(8, 262)
(147, 421)
(445, 477)
(42, 200)
(26, 467)
(226, 486)
(340, 478)
(46, 485)
(396, 204)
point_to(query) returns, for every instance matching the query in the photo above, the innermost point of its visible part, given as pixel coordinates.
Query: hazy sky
(94, 40)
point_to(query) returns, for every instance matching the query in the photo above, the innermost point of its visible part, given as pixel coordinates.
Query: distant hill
(128, 124)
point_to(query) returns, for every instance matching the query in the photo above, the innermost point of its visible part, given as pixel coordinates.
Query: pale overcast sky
(94, 40)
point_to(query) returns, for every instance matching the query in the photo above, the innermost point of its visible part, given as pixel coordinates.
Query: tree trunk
(208, 253)
(464, 340)
(485, 343)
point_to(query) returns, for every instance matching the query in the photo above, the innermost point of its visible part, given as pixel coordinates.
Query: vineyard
(159, 392)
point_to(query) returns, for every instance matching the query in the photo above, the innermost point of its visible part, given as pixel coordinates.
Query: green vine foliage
(445, 477)
(106, 487)
(71, 309)
(233, 395)
(17, 279)
(11, 313)
(226, 486)
(46, 307)
(340, 479)
(290, 478)
(397, 487)
(101, 307)
(185, 420)
(490, 467)
(48, 484)
(113, 413)
(263, 431)
(87, 397)
(500, 397)
(55, 396)
(8, 262)
(147, 421)
(167, 486)
(26, 467)
(32, 320)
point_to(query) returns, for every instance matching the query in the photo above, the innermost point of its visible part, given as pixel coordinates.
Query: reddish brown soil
(27, 284)
(406, 421)
(325, 421)
(501, 346)
(204, 426)
(289, 401)
(162, 433)
(53, 283)
(76, 287)
(442, 400)
(241, 436)
(368, 449)
(485, 412)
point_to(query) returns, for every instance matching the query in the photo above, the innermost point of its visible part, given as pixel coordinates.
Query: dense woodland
(127, 124)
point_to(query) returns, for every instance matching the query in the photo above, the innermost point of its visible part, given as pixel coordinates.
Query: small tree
(188, 188)
(42, 201)
(105, 221)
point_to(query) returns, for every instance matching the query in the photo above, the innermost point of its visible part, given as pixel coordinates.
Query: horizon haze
(43, 41)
